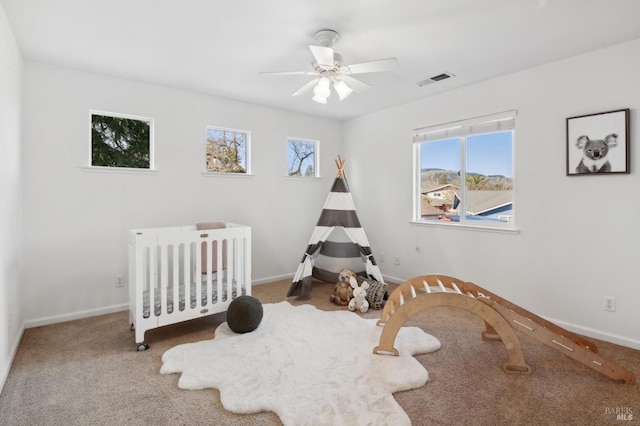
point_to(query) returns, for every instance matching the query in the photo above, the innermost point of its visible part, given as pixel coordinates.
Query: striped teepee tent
(338, 242)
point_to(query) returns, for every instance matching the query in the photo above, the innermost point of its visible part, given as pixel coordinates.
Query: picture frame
(598, 143)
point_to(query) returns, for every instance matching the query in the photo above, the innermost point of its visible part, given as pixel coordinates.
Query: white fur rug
(309, 366)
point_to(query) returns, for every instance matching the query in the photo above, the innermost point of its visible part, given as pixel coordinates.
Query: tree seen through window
(118, 141)
(226, 150)
(301, 158)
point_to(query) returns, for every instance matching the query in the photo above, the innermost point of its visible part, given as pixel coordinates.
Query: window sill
(316, 178)
(125, 170)
(495, 229)
(228, 175)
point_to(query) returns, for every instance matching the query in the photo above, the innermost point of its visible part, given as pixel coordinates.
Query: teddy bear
(359, 300)
(342, 292)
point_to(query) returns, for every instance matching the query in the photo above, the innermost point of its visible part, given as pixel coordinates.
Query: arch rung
(522, 325)
(560, 344)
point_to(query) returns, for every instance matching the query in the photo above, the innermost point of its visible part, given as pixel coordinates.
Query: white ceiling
(219, 47)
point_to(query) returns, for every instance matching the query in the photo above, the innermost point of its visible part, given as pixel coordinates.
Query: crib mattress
(181, 303)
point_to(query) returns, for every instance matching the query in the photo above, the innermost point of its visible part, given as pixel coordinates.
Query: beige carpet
(88, 372)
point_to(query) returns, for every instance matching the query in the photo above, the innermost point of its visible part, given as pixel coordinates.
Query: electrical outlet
(609, 303)
(396, 260)
(119, 281)
(381, 257)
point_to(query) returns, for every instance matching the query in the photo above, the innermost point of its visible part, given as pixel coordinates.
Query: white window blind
(502, 121)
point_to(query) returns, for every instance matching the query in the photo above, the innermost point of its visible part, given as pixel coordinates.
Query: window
(119, 140)
(464, 172)
(302, 157)
(228, 150)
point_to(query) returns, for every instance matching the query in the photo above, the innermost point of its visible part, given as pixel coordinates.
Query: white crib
(181, 273)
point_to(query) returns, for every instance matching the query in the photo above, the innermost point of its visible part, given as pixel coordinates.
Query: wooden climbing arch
(501, 318)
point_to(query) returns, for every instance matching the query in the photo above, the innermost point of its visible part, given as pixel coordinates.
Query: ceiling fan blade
(323, 56)
(290, 73)
(306, 88)
(356, 85)
(388, 64)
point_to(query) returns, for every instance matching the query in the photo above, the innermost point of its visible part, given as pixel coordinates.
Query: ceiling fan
(331, 71)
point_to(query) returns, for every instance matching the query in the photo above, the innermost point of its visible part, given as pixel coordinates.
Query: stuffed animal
(342, 292)
(359, 300)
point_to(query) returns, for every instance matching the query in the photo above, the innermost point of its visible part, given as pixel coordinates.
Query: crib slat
(246, 260)
(145, 284)
(164, 281)
(211, 273)
(238, 266)
(153, 279)
(198, 277)
(187, 262)
(227, 271)
(220, 255)
(176, 278)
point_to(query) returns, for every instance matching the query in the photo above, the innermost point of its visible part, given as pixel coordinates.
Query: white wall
(11, 317)
(76, 221)
(578, 239)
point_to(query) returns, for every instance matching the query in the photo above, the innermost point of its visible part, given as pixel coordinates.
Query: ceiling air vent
(435, 78)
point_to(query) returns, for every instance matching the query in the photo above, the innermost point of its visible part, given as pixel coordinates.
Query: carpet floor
(88, 372)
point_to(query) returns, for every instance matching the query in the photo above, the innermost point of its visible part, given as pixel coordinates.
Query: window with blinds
(464, 172)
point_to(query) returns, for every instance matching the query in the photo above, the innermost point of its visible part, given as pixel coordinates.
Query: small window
(228, 150)
(464, 172)
(302, 157)
(119, 140)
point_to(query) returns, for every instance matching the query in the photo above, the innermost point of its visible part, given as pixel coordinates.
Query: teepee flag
(337, 242)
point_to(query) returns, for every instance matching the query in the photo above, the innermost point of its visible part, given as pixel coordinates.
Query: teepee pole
(340, 166)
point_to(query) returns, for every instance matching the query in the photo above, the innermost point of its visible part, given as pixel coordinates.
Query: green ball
(244, 314)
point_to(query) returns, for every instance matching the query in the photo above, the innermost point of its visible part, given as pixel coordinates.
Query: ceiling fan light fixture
(319, 99)
(322, 91)
(342, 89)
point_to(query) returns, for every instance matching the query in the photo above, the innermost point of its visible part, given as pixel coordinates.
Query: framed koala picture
(598, 143)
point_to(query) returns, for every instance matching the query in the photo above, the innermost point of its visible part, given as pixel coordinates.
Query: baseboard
(272, 279)
(597, 334)
(76, 315)
(396, 280)
(12, 355)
